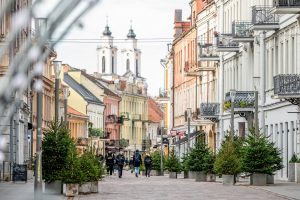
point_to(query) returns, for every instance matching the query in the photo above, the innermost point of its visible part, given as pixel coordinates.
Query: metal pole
(38, 163)
(66, 111)
(11, 145)
(232, 119)
(188, 135)
(161, 154)
(56, 99)
(256, 113)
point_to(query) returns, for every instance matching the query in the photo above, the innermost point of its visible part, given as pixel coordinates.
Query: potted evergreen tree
(260, 158)
(173, 165)
(292, 168)
(201, 161)
(93, 172)
(156, 161)
(56, 146)
(72, 175)
(227, 162)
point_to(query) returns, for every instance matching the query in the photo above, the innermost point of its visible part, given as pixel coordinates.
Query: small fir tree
(173, 163)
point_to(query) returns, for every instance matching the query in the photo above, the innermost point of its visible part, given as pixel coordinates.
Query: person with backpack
(110, 160)
(137, 162)
(120, 160)
(148, 164)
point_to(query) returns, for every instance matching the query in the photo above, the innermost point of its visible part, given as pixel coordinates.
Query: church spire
(131, 34)
(107, 32)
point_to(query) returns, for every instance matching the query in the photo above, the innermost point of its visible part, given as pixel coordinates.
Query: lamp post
(57, 70)
(66, 95)
(189, 115)
(161, 145)
(232, 95)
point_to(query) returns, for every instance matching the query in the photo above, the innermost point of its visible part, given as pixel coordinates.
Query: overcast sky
(150, 19)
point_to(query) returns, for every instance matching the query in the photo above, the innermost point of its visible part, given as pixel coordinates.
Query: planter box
(210, 177)
(172, 174)
(259, 179)
(200, 177)
(292, 172)
(297, 172)
(270, 179)
(192, 174)
(155, 173)
(71, 189)
(228, 179)
(85, 188)
(95, 187)
(53, 187)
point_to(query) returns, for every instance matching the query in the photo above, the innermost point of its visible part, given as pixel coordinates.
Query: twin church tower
(107, 54)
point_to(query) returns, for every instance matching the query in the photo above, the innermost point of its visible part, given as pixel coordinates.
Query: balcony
(243, 102)
(207, 52)
(241, 31)
(287, 86)
(264, 19)
(286, 6)
(125, 116)
(225, 43)
(210, 111)
(111, 119)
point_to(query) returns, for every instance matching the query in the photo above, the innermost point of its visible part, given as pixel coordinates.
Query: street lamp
(66, 95)
(161, 145)
(57, 70)
(232, 96)
(189, 115)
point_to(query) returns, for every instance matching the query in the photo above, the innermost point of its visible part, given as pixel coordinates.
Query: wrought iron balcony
(241, 31)
(111, 119)
(287, 86)
(207, 52)
(225, 43)
(210, 111)
(264, 19)
(286, 6)
(243, 101)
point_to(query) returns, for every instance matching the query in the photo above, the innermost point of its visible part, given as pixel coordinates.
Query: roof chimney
(178, 15)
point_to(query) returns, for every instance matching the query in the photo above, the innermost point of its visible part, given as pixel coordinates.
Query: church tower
(107, 54)
(131, 54)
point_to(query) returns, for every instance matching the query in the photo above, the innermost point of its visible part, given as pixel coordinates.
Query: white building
(261, 53)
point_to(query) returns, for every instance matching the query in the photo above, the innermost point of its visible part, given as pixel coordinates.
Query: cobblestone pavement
(161, 188)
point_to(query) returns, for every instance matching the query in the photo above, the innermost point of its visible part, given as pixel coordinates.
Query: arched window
(112, 65)
(137, 73)
(103, 64)
(127, 65)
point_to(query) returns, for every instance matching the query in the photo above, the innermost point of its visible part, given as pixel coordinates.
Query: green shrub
(228, 160)
(260, 155)
(294, 159)
(56, 146)
(173, 163)
(200, 158)
(91, 167)
(156, 157)
(96, 132)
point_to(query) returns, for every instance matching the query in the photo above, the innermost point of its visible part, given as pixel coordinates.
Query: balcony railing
(209, 110)
(241, 31)
(207, 52)
(286, 6)
(287, 85)
(244, 100)
(264, 19)
(111, 119)
(225, 43)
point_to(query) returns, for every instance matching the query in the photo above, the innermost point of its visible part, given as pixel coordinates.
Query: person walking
(148, 164)
(137, 162)
(120, 160)
(110, 160)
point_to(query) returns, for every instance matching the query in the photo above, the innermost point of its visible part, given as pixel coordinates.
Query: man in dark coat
(110, 160)
(148, 164)
(137, 162)
(120, 160)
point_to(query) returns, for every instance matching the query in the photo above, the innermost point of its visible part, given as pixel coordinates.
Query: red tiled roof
(155, 114)
(75, 112)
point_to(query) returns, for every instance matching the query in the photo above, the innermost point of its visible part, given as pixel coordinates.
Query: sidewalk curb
(274, 193)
